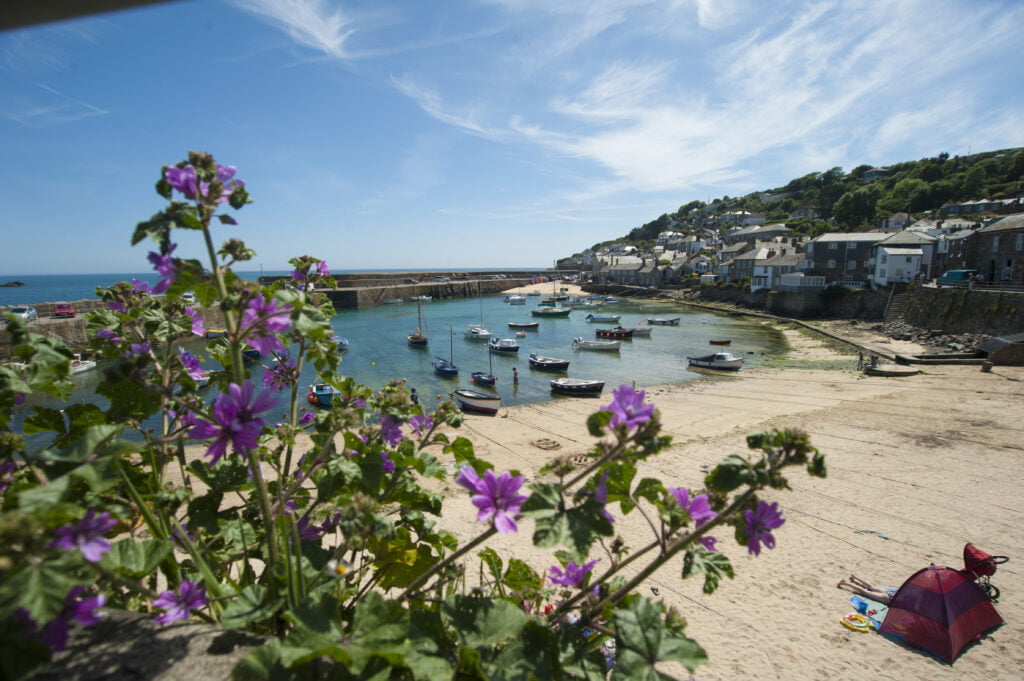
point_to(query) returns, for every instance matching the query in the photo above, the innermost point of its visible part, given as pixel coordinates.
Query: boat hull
(523, 325)
(576, 386)
(548, 363)
(617, 332)
(603, 318)
(471, 400)
(484, 378)
(661, 321)
(551, 312)
(606, 346)
(445, 368)
(721, 360)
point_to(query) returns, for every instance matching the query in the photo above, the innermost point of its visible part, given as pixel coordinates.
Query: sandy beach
(917, 467)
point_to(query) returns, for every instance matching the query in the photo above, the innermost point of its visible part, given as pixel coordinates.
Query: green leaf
(493, 562)
(713, 566)
(463, 451)
(521, 578)
(39, 589)
(157, 228)
(643, 640)
(483, 621)
(598, 422)
(136, 559)
(732, 472)
(248, 606)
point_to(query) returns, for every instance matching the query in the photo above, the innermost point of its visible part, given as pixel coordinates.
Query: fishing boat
(533, 293)
(609, 345)
(474, 400)
(607, 318)
(515, 299)
(320, 395)
(521, 333)
(617, 332)
(548, 363)
(78, 365)
(717, 360)
(524, 325)
(551, 311)
(446, 367)
(576, 386)
(504, 345)
(720, 341)
(418, 339)
(663, 321)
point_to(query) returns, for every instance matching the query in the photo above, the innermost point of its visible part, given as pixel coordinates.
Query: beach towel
(873, 610)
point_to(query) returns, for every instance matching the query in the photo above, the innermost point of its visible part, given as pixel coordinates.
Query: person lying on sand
(862, 588)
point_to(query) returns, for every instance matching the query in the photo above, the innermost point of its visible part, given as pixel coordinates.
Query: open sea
(378, 350)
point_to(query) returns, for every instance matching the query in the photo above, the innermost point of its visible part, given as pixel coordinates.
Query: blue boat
(341, 342)
(446, 367)
(251, 354)
(320, 395)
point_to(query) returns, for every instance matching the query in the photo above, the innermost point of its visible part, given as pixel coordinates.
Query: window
(1019, 244)
(881, 273)
(851, 264)
(909, 260)
(885, 257)
(831, 264)
(850, 245)
(833, 245)
(995, 244)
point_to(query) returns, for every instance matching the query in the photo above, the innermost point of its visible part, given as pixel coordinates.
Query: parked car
(188, 297)
(441, 279)
(64, 310)
(412, 281)
(26, 312)
(957, 277)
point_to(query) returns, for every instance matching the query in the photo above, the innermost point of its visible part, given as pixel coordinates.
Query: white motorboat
(717, 360)
(515, 299)
(504, 345)
(611, 345)
(78, 365)
(477, 332)
(474, 400)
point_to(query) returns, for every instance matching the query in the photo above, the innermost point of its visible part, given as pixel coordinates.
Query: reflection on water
(378, 350)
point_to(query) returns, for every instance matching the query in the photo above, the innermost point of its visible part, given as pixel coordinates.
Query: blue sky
(463, 134)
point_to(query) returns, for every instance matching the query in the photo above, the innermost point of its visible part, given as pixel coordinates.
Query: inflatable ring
(856, 621)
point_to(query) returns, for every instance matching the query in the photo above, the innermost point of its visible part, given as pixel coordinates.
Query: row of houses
(772, 257)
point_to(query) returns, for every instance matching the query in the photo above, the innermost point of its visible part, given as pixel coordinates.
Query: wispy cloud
(311, 23)
(59, 108)
(430, 101)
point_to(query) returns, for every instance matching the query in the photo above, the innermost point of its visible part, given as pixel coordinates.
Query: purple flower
(387, 464)
(421, 423)
(191, 363)
(261, 320)
(321, 269)
(236, 421)
(225, 173)
(19, 399)
(164, 266)
(708, 542)
(494, 497)
(191, 595)
(391, 431)
(601, 497)
(697, 508)
(108, 334)
(760, 523)
(117, 306)
(298, 275)
(7, 468)
(87, 535)
(182, 179)
(83, 611)
(306, 418)
(573, 575)
(280, 376)
(141, 286)
(331, 523)
(627, 407)
(197, 322)
(137, 349)
(307, 531)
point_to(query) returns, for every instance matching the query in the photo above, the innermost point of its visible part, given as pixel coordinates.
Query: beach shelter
(939, 610)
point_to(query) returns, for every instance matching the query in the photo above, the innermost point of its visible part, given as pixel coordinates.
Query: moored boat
(484, 378)
(418, 339)
(612, 318)
(320, 395)
(504, 345)
(720, 341)
(78, 365)
(551, 311)
(425, 299)
(251, 354)
(576, 386)
(663, 321)
(524, 325)
(446, 367)
(216, 333)
(610, 345)
(341, 342)
(477, 332)
(642, 331)
(515, 299)
(717, 360)
(474, 400)
(616, 332)
(548, 363)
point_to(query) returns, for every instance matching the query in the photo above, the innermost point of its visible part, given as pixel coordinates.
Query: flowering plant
(314, 528)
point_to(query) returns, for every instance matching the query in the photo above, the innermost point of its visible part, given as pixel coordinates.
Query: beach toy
(856, 622)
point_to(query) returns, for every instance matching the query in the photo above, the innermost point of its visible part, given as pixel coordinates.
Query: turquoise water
(378, 350)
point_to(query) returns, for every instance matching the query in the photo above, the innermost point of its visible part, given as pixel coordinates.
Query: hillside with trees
(833, 200)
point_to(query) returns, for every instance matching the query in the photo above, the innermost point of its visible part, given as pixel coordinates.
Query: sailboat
(477, 331)
(418, 339)
(446, 367)
(489, 378)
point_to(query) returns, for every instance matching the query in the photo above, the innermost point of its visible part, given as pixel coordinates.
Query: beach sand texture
(917, 467)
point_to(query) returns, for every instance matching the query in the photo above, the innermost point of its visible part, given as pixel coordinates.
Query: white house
(896, 265)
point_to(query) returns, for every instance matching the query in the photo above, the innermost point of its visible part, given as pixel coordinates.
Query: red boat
(523, 325)
(617, 332)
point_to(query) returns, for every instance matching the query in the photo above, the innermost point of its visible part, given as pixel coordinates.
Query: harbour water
(378, 350)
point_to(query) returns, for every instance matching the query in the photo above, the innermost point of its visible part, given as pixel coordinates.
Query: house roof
(1015, 221)
(902, 251)
(785, 260)
(907, 237)
(870, 237)
(754, 230)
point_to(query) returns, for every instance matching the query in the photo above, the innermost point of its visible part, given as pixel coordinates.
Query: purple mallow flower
(141, 286)
(116, 306)
(573, 575)
(108, 334)
(87, 535)
(421, 423)
(164, 266)
(236, 421)
(306, 418)
(391, 431)
(137, 350)
(261, 320)
(7, 468)
(190, 596)
(280, 376)
(760, 523)
(386, 463)
(197, 321)
(601, 496)
(697, 508)
(191, 363)
(306, 530)
(494, 496)
(81, 610)
(182, 179)
(627, 407)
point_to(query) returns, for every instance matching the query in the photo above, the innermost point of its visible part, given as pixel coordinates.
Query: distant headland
(12, 284)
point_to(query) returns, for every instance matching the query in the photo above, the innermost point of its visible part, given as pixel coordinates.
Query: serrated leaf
(643, 640)
(136, 559)
(39, 589)
(714, 566)
(483, 621)
(732, 472)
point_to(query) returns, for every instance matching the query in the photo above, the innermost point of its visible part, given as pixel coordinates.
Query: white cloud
(430, 101)
(308, 22)
(57, 108)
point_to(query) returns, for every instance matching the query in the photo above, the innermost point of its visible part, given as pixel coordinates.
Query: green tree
(856, 207)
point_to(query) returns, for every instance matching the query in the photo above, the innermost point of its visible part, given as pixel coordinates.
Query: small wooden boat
(320, 395)
(424, 299)
(78, 365)
(576, 386)
(533, 293)
(504, 345)
(474, 400)
(551, 311)
(718, 360)
(476, 332)
(663, 321)
(484, 378)
(607, 318)
(548, 363)
(609, 345)
(524, 325)
(520, 333)
(617, 332)
(720, 341)
(642, 331)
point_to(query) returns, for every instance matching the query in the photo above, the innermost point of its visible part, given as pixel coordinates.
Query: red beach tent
(940, 610)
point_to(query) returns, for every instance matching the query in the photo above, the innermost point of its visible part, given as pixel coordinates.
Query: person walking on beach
(862, 588)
